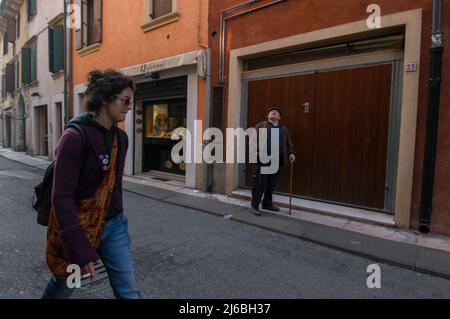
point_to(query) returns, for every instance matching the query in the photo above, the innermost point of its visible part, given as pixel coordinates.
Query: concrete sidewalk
(426, 253)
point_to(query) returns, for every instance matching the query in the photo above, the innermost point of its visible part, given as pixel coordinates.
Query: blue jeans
(115, 253)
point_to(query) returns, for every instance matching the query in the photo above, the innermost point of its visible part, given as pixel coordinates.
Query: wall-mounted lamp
(152, 75)
(35, 94)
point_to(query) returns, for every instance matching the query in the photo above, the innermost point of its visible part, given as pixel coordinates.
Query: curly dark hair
(103, 87)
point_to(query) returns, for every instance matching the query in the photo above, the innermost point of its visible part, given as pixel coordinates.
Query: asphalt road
(183, 253)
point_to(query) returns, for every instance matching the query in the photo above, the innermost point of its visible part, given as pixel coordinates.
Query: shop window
(163, 119)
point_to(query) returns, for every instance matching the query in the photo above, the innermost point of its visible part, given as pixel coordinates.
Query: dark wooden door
(350, 145)
(341, 140)
(290, 94)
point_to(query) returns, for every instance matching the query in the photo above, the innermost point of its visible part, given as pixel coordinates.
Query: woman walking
(87, 224)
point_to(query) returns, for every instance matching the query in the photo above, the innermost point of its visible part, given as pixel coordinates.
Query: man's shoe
(271, 208)
(256, 211)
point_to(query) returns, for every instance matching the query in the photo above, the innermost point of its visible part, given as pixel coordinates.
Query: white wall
(50, 87)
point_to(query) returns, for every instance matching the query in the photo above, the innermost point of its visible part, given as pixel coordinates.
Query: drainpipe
(209, 167)
(431, 137)
(68, 66)
(66, 109)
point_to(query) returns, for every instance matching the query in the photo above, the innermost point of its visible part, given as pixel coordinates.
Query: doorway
(340, 126)
(42, 130)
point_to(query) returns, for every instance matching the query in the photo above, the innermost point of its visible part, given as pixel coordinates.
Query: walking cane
(290, 188)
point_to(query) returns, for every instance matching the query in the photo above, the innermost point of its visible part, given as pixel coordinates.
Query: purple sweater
(75, 180)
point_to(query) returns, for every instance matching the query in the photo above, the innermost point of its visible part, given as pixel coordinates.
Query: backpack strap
(84, 138)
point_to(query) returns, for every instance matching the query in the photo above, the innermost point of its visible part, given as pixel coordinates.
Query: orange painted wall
(125, 44)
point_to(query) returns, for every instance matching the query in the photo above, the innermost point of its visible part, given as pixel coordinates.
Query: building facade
(43, 77)
(353, 94)
(33, 95)
(162, 45)
(13, 109)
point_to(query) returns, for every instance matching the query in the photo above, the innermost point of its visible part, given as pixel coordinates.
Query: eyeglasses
(126, 101)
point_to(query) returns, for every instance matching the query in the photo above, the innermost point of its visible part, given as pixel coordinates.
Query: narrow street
(183, 253)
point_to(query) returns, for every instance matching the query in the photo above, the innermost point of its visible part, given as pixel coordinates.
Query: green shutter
(58, 48)
(32, 7)
(26, 76)
(33, 64)
(51, 52)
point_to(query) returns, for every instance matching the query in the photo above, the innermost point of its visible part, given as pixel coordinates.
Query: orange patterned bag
(91, 214)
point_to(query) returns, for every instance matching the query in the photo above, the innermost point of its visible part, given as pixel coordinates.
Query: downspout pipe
(431, 133)
(208, 116)
(66, 109)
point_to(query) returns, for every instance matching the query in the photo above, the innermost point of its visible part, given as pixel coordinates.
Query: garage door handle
(307, 107)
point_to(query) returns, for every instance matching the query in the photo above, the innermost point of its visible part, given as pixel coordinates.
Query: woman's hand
(90, 269)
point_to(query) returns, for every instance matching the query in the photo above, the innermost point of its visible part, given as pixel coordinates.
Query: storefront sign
(168, 63)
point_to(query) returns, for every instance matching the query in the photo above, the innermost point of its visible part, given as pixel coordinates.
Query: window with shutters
(16, 74)
(11, 29)
(10, 77)
(32, 8)
(3, 85)
(90, 32)
(5, 43)
(159, 13)
(56, 48)
(18, 26)
(29, 64)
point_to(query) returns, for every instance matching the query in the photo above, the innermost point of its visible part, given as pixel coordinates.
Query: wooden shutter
(51, 52)
(16, 73)
(10, 78)
(79, 31)
(97, 21)
(58, 48)
(18, 26)
(3, 85)
(33, 63)
(85, 23)
(32, 7)
(161, 8)
(5, 44)
(26, 68)
(11, 25)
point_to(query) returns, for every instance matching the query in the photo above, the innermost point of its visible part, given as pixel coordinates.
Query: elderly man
(264, 184)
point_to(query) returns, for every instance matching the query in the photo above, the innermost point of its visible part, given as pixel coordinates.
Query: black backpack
(42, 197)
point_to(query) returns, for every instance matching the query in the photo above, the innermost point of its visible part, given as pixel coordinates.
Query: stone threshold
(354, 214)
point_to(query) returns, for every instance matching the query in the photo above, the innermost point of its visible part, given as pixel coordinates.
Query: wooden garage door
(341, 140)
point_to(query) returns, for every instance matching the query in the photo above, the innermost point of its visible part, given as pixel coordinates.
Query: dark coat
(287, 147)
(76, 180)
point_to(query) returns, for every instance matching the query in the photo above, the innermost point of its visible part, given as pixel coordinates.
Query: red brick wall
(299, 16)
